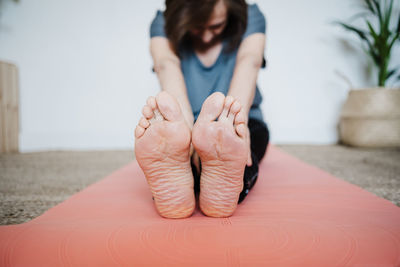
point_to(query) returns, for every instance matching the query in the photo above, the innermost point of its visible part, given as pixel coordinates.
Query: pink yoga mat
(296, 215)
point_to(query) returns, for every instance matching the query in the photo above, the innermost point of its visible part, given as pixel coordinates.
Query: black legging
(259, 138)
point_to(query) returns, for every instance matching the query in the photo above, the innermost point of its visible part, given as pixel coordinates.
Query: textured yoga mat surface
(296, 215)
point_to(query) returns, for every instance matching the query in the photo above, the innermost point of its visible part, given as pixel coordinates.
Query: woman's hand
(189, 118)
(196, 160)
(249, 161)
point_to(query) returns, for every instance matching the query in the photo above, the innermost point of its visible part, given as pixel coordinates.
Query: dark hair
(183, 15)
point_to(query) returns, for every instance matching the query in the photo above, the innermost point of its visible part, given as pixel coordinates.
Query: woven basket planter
(371, 118)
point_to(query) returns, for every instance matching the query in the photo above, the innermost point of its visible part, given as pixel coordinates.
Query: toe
(212, 107)
(151, 102)
(144, 123)
(139, 131)
(227, 105)
(157, 117)
(235, 108)
(169, 107)
(147, 112)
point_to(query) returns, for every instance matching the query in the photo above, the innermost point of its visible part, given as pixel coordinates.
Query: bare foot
(162, 150)
(223, 151)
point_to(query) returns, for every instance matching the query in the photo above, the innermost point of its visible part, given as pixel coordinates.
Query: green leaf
(375, 56)
(378, 38)
(372, 31)
(378, 10)
(390, 73)
(388, 14)
(359, 32)
(396, 37)
(363, 36)
(369, 6)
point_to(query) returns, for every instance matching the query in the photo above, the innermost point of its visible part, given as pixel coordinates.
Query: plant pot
(371, 118)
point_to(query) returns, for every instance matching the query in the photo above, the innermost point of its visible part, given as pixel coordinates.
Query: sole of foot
(219, 137)
(162, 143)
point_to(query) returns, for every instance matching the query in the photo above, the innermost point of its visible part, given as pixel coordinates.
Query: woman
(205, 130)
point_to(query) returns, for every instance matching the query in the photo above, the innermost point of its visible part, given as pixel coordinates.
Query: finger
(191, 150)
(241, 130)
(249, 161)
(240, 117)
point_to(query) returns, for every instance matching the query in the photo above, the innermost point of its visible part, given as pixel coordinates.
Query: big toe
(212, 107)
(168, 106)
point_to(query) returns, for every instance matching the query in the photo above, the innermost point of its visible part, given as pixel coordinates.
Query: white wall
(85, 69)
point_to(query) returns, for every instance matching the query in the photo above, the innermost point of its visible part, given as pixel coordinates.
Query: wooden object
(9, 114)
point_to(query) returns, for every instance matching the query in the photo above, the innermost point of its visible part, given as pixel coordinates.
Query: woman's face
(209, 34)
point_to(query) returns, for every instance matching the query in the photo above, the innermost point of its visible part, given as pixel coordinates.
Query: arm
(248, 63)
(243, 84)
(168, 68)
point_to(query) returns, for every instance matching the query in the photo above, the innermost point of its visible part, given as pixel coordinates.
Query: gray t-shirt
(202, 81)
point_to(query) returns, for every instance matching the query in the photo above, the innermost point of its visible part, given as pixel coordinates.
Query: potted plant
(371, 117)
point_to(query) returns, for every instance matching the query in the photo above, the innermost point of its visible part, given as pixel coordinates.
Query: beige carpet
(32, 183)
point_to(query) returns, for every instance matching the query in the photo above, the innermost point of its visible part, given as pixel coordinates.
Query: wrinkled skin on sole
(223, 150)
(162, 143)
